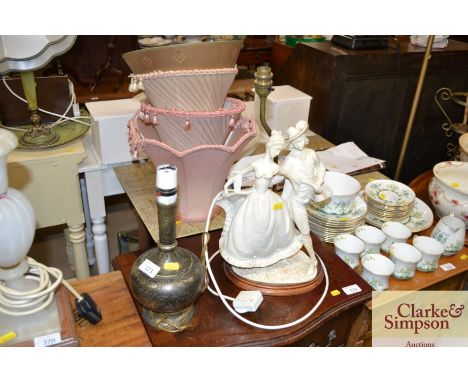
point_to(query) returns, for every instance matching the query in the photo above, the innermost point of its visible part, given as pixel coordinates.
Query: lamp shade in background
(26, 53)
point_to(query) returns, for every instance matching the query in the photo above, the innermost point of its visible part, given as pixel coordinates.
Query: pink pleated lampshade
(203, 55)
(201, 170)
(190, 90)
(183, 130)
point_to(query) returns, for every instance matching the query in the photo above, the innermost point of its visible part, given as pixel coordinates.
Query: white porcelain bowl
(348, 248)
(344, 189)
(431, 251)
(448, 190)
(405, 257)
(376, 269)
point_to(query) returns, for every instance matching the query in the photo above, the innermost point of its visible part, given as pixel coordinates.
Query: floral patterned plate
(389, 192)
(420, 218)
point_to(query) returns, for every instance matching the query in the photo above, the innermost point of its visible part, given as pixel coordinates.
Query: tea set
(383, 248)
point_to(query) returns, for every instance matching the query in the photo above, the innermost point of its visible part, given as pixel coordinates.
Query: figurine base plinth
(289, 277)
(169, 322)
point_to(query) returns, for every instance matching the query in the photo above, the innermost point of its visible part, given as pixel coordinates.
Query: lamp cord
(205, 238)
(17, 303)
(62, 117)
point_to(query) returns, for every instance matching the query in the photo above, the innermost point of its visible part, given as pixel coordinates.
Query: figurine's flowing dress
(258, 230)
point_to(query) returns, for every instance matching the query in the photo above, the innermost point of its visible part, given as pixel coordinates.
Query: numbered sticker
(149, 268)
(463, 257)
(351, 289)
(278, 206)
(48, 340)
(448, 267)
(171, 266)
(335, 292)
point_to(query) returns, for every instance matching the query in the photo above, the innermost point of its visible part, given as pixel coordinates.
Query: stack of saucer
(388, 200)
(327, 226)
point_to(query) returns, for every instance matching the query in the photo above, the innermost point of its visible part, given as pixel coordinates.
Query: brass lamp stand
(24, 54)
(263, 86)
(38, 135)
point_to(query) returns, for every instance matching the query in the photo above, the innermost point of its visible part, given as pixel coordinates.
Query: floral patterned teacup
(396, 233)
(450, 232)
(372, 238)
(376, 269)
(348, 248)
(344, 190)
(405, 257)
(431, 251)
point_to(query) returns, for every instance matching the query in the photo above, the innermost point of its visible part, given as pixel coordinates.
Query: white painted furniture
(98, 181)
(49, 178)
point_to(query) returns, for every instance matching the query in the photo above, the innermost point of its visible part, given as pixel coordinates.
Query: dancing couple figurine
(261, 227)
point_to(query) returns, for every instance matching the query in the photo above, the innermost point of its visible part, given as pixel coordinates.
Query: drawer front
(333, 332)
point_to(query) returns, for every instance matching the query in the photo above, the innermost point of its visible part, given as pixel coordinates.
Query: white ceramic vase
(17, 219)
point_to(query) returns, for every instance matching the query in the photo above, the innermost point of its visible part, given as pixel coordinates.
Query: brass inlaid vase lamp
(24, 54)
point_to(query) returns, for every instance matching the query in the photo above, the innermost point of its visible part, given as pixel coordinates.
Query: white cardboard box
(109, 120)
(284, 107)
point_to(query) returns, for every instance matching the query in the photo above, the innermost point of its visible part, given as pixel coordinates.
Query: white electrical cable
(209, 288)
(223, 298)
(62, 117)
(17, 303)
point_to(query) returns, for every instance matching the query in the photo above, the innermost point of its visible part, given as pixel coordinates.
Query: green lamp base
(49, 138)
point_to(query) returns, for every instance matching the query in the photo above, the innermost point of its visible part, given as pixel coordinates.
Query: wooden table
(121, 324)
(337, 322)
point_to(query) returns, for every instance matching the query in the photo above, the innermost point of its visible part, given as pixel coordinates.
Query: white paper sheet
(347, 158)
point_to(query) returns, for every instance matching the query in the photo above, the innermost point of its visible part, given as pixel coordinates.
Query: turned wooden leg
(69, 250)
(88, 230)
(77, 238)
(100, 245)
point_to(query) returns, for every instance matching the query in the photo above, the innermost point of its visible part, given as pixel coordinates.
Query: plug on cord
(88, 309)
(248, 301)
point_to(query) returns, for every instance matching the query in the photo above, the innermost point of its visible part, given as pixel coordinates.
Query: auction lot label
(420, 319)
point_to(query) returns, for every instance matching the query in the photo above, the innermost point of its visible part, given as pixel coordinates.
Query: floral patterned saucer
(358, 211)
(420, 218)
(389, 193)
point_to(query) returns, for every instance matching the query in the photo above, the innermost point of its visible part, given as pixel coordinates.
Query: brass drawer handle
(331, 337)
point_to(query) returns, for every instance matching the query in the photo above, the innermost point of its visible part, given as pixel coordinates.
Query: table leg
(100, 245)
(97, 211)
(69, 250)
(89, 232)
(77, 238)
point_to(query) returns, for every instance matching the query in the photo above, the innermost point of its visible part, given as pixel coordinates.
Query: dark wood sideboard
(340, 320)
(365, 96)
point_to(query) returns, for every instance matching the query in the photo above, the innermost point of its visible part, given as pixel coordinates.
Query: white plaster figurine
(302, 162)
(259, 227)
